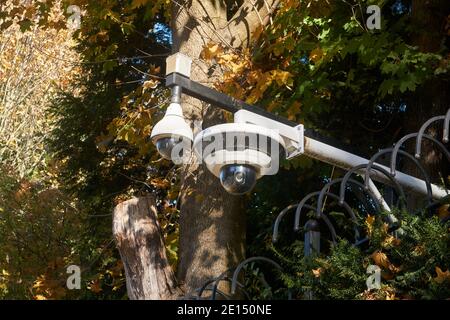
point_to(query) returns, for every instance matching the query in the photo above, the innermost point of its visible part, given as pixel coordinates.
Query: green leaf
(25, 25)
(109, 65)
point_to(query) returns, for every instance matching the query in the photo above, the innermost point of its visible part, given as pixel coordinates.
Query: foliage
(352, 83)
(100, 140)
(27, 88)
(42, 232)
(314, 62)
(318, 63)
(413, 265)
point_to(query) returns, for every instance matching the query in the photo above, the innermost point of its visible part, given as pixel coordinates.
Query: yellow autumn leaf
(381, 259)
(226, 58)
(273, 105)
(390, 296)
(418, 250)
(294, 110)
(441, 275)
(254, 96)
(390, 241)
(317, 272)
(138, 3)
(210, 51)
(238, 67)
(160, 183)
(289, 5)
(282, 77)
(369, 224)
(40, 297)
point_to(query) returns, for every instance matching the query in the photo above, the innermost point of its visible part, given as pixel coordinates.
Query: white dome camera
(240, 153)
(237, 153)
(238, 178)
(172, 135)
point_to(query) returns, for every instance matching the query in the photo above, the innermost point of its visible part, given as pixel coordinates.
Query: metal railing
(312, 237)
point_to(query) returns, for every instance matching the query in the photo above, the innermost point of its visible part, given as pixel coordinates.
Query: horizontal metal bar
(230, 104)
(316, 146)
(345, 160)
(219, 99)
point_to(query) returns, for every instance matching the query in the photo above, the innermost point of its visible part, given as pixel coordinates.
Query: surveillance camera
(238, 179)
(172, 135)
(172, 148)
(239, 154)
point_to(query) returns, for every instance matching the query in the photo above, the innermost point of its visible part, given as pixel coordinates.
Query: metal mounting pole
(315, 147)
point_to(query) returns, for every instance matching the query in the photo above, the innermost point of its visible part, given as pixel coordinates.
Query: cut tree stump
(139, 240)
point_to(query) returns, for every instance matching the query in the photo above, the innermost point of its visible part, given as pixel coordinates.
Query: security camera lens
(165, 146)
(238, 178)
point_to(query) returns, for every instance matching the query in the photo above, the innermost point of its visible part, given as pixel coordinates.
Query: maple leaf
(390, 241)
(210, 51)
(282, 77)
(317, 272)
(441, 275)
(380, 259)
(95, 286)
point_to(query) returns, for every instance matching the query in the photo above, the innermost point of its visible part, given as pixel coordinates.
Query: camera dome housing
(172, 135)
(238, 178)
(172, 147)
(239, 154)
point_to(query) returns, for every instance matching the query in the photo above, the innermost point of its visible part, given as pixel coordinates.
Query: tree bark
(212, 222)
(141, 246)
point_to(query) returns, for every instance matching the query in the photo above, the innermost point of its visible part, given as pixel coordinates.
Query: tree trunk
(139, 240)
(212, 221)
(432, 98)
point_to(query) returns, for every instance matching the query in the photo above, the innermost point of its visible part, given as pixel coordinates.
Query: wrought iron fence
(312, 236)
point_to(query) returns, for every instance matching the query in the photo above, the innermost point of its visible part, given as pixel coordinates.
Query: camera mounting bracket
(293, 136)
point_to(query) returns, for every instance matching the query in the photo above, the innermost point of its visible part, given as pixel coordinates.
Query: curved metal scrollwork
(406, 154)
(398, 187)
(410, 136)
(283, 213)
(312, 230)
(335, 181)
